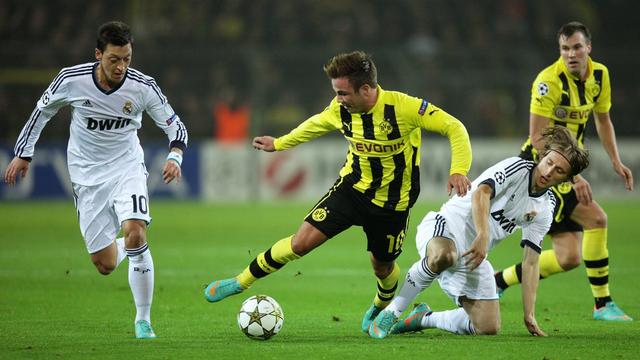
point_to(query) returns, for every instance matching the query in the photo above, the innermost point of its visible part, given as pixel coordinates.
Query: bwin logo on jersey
(107, 124)
(507, 225)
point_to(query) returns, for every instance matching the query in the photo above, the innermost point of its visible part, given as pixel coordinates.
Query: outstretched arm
(530, 278)
(607, 136)
(480, 204)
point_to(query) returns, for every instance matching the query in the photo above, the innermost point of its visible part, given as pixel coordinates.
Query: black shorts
(343, 207)
(566, 202)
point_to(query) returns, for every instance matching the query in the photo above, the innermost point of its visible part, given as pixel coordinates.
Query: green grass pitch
(55, 305)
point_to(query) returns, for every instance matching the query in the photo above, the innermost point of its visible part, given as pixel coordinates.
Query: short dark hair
(570, 28)
(560, 140)
(357, 66)
(114, 33)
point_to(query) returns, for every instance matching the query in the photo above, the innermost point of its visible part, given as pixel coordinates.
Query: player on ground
(564, 94)
(454, 243)
(378, 183)
(105, 159)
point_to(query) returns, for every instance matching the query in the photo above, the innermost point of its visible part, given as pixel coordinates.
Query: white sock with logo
(419, 277)
(456, 321)
(141, 275)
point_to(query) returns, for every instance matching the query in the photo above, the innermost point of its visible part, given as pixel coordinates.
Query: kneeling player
(454, 243)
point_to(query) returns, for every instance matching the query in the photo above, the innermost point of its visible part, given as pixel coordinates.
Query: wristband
(175, 157)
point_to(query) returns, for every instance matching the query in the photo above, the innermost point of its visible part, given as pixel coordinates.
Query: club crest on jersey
(564, 188)
(543, 89)
(319, 214)
(385, 127)
(528, 217)
(560, 112)
(127, 108)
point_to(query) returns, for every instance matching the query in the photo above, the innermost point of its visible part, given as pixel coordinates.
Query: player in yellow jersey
(378, 183)
(565, 94)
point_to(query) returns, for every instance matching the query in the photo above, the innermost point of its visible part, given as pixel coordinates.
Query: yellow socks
(596, 260)
(387, 288)
(268, 262)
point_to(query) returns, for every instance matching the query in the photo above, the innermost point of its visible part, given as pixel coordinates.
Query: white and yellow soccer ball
(260, 317)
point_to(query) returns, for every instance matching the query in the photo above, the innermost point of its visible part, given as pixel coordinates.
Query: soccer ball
(260, 317)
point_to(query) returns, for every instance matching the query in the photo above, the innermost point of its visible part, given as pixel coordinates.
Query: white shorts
(102, 208)
(457, 281)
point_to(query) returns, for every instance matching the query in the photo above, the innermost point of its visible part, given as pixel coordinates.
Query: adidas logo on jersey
(87, 103)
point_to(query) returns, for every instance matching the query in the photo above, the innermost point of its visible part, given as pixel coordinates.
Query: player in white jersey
(105, 159)
(453, 243)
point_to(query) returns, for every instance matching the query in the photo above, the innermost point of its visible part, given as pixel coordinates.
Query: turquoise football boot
(413, 321)
(382, 324)
(221, 289)
(610, 312)
(144, 330)
(368, 317)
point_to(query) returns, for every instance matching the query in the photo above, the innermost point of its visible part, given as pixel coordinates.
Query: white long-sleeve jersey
(103, 139)
(513, 206)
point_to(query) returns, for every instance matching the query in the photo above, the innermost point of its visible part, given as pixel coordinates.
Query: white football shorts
(102, 208)
(457, 281)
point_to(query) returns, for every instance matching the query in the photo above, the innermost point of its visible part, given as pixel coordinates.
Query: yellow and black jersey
(384, 144)
(568, 101)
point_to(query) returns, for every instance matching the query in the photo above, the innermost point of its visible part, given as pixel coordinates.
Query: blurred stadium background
(263, 59)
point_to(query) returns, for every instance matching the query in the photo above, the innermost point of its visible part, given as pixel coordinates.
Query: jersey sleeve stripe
(526, 165)
(155, 89)
(181, 134)
(71, 70)
(516, 163)
(56, 86)
(24, 136)
(529, 244)
(149, 81)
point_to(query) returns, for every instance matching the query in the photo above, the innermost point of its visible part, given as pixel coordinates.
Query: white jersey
(103, 139)
(513, 206)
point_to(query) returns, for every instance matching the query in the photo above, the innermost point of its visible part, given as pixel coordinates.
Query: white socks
(121, 253)
(456, 321)
(141, 280)
(419, 277)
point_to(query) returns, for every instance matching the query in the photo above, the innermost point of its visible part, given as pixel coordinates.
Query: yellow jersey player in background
(378, 183)
(565, 94)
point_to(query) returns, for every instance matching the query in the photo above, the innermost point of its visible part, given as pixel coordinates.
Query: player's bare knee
(570, 261)
(599, 220)
(487, 328)
(441, 260)
(383, 270)
(104, 268)
(135, 237)
(300, 248)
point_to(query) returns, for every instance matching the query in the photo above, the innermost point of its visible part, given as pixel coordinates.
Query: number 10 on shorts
(139, 202)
